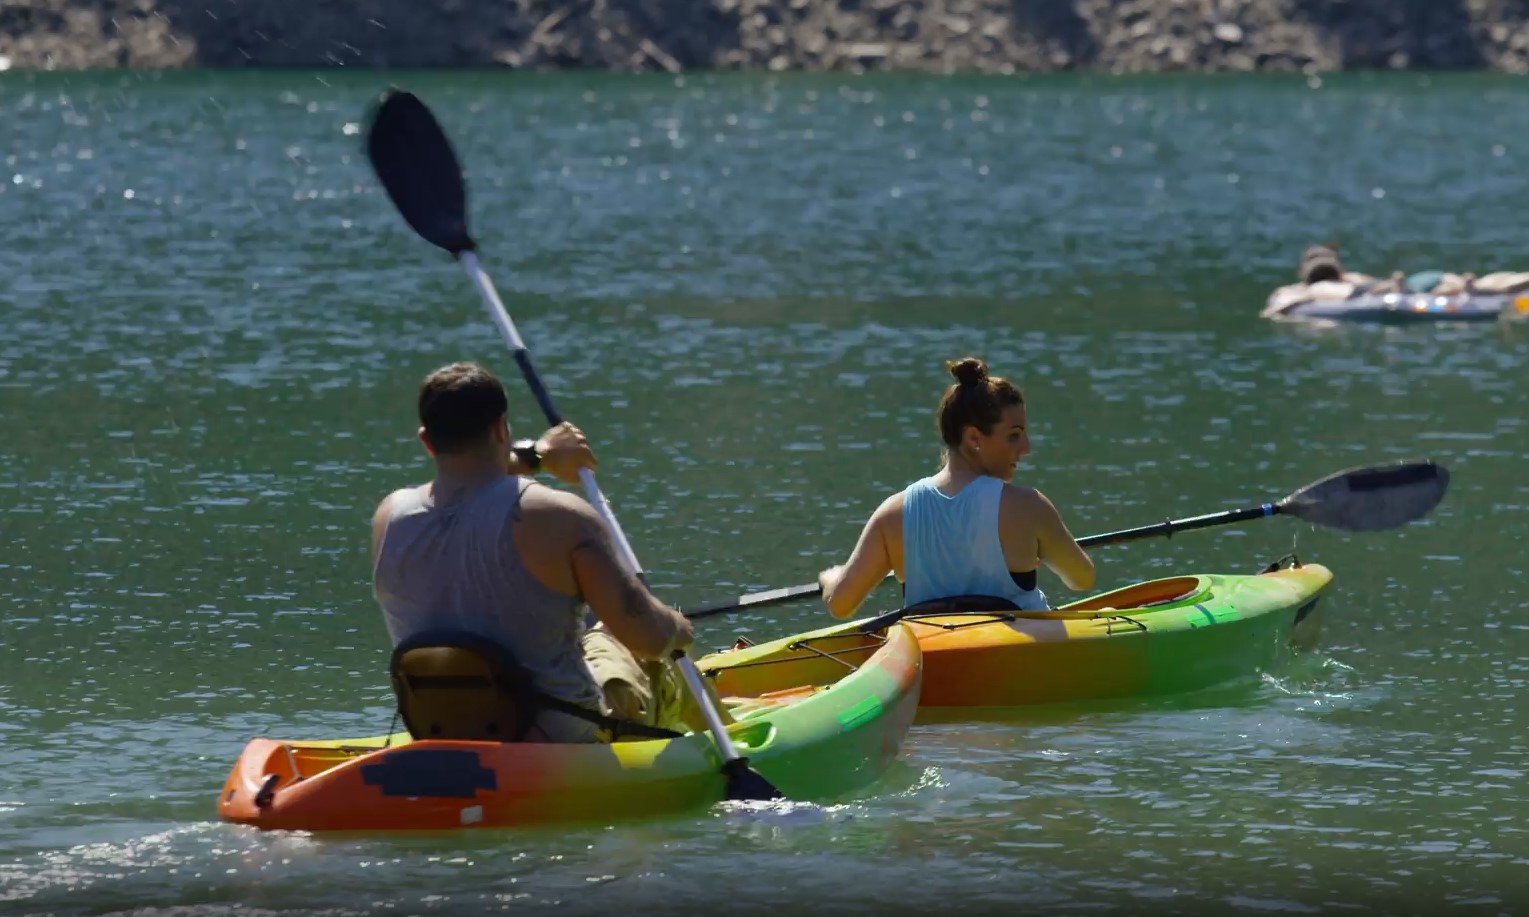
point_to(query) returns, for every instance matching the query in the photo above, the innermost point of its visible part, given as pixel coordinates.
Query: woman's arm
(1056, 547)
(846, 586)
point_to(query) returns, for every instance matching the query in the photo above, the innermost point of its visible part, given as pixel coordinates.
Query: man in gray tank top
(482, 548)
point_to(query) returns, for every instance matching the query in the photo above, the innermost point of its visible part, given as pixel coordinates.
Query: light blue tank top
(951, 546)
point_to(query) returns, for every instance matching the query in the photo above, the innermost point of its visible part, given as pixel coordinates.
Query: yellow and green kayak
(1165, 636)
(818, 716)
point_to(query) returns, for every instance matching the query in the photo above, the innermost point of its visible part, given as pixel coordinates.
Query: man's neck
(461, 473)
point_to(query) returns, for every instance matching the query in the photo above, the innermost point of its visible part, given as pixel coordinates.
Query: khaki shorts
(652, 693)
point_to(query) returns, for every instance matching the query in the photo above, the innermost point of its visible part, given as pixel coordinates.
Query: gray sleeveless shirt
(455, 566)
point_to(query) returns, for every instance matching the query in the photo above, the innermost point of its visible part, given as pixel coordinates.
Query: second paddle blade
(744, 784)
(419, 169)
(1371, 498)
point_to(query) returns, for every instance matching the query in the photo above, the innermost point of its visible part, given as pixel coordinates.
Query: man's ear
(424, 439)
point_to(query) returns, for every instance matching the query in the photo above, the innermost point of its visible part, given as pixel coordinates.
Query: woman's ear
(971, 437)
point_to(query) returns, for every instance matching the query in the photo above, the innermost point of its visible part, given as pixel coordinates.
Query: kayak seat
(462, 686)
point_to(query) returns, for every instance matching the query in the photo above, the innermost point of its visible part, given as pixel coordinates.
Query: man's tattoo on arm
(634, 598)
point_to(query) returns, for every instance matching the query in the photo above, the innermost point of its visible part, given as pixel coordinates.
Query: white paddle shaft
(703, 701)
(501, 317)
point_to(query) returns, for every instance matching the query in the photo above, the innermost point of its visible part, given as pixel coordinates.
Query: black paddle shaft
(773, 597)
(538, 390)
(1167, 527)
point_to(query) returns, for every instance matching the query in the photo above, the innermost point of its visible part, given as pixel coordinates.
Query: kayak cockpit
(748, 674)
(1161, 593)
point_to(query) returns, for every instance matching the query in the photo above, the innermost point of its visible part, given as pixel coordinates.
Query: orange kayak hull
(817, 716)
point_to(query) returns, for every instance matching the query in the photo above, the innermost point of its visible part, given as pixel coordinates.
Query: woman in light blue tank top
(966, 530)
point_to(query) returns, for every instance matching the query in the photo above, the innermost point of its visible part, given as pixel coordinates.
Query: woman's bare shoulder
(890, 510)
(1027, 501)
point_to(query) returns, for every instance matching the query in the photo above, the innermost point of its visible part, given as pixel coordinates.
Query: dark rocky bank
(941, 36)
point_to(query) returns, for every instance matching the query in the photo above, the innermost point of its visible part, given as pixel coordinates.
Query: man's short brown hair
(458, 406)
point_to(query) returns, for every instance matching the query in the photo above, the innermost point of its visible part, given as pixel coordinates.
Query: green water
(212, 322)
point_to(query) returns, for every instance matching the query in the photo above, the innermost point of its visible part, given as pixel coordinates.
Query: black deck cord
(615, 725)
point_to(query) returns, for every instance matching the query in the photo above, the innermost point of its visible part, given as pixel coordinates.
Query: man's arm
(564, 544)
(647, 626)
(561, 452)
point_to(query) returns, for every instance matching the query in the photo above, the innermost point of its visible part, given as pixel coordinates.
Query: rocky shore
(940, 36)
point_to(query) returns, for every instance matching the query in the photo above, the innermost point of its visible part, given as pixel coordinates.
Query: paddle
(419, 169)
(1357, 500)
(1365, 499)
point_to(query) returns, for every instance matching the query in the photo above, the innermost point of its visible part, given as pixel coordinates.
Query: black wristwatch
(525, 452)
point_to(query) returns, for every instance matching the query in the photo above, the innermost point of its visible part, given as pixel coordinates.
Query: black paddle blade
(744, 784)
(1370, 498)
(419, 169)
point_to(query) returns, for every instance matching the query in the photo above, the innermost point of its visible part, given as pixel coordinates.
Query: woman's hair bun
(967, 370)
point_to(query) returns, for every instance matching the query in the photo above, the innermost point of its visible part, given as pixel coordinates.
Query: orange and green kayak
(1165, 636)
(817, 715)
